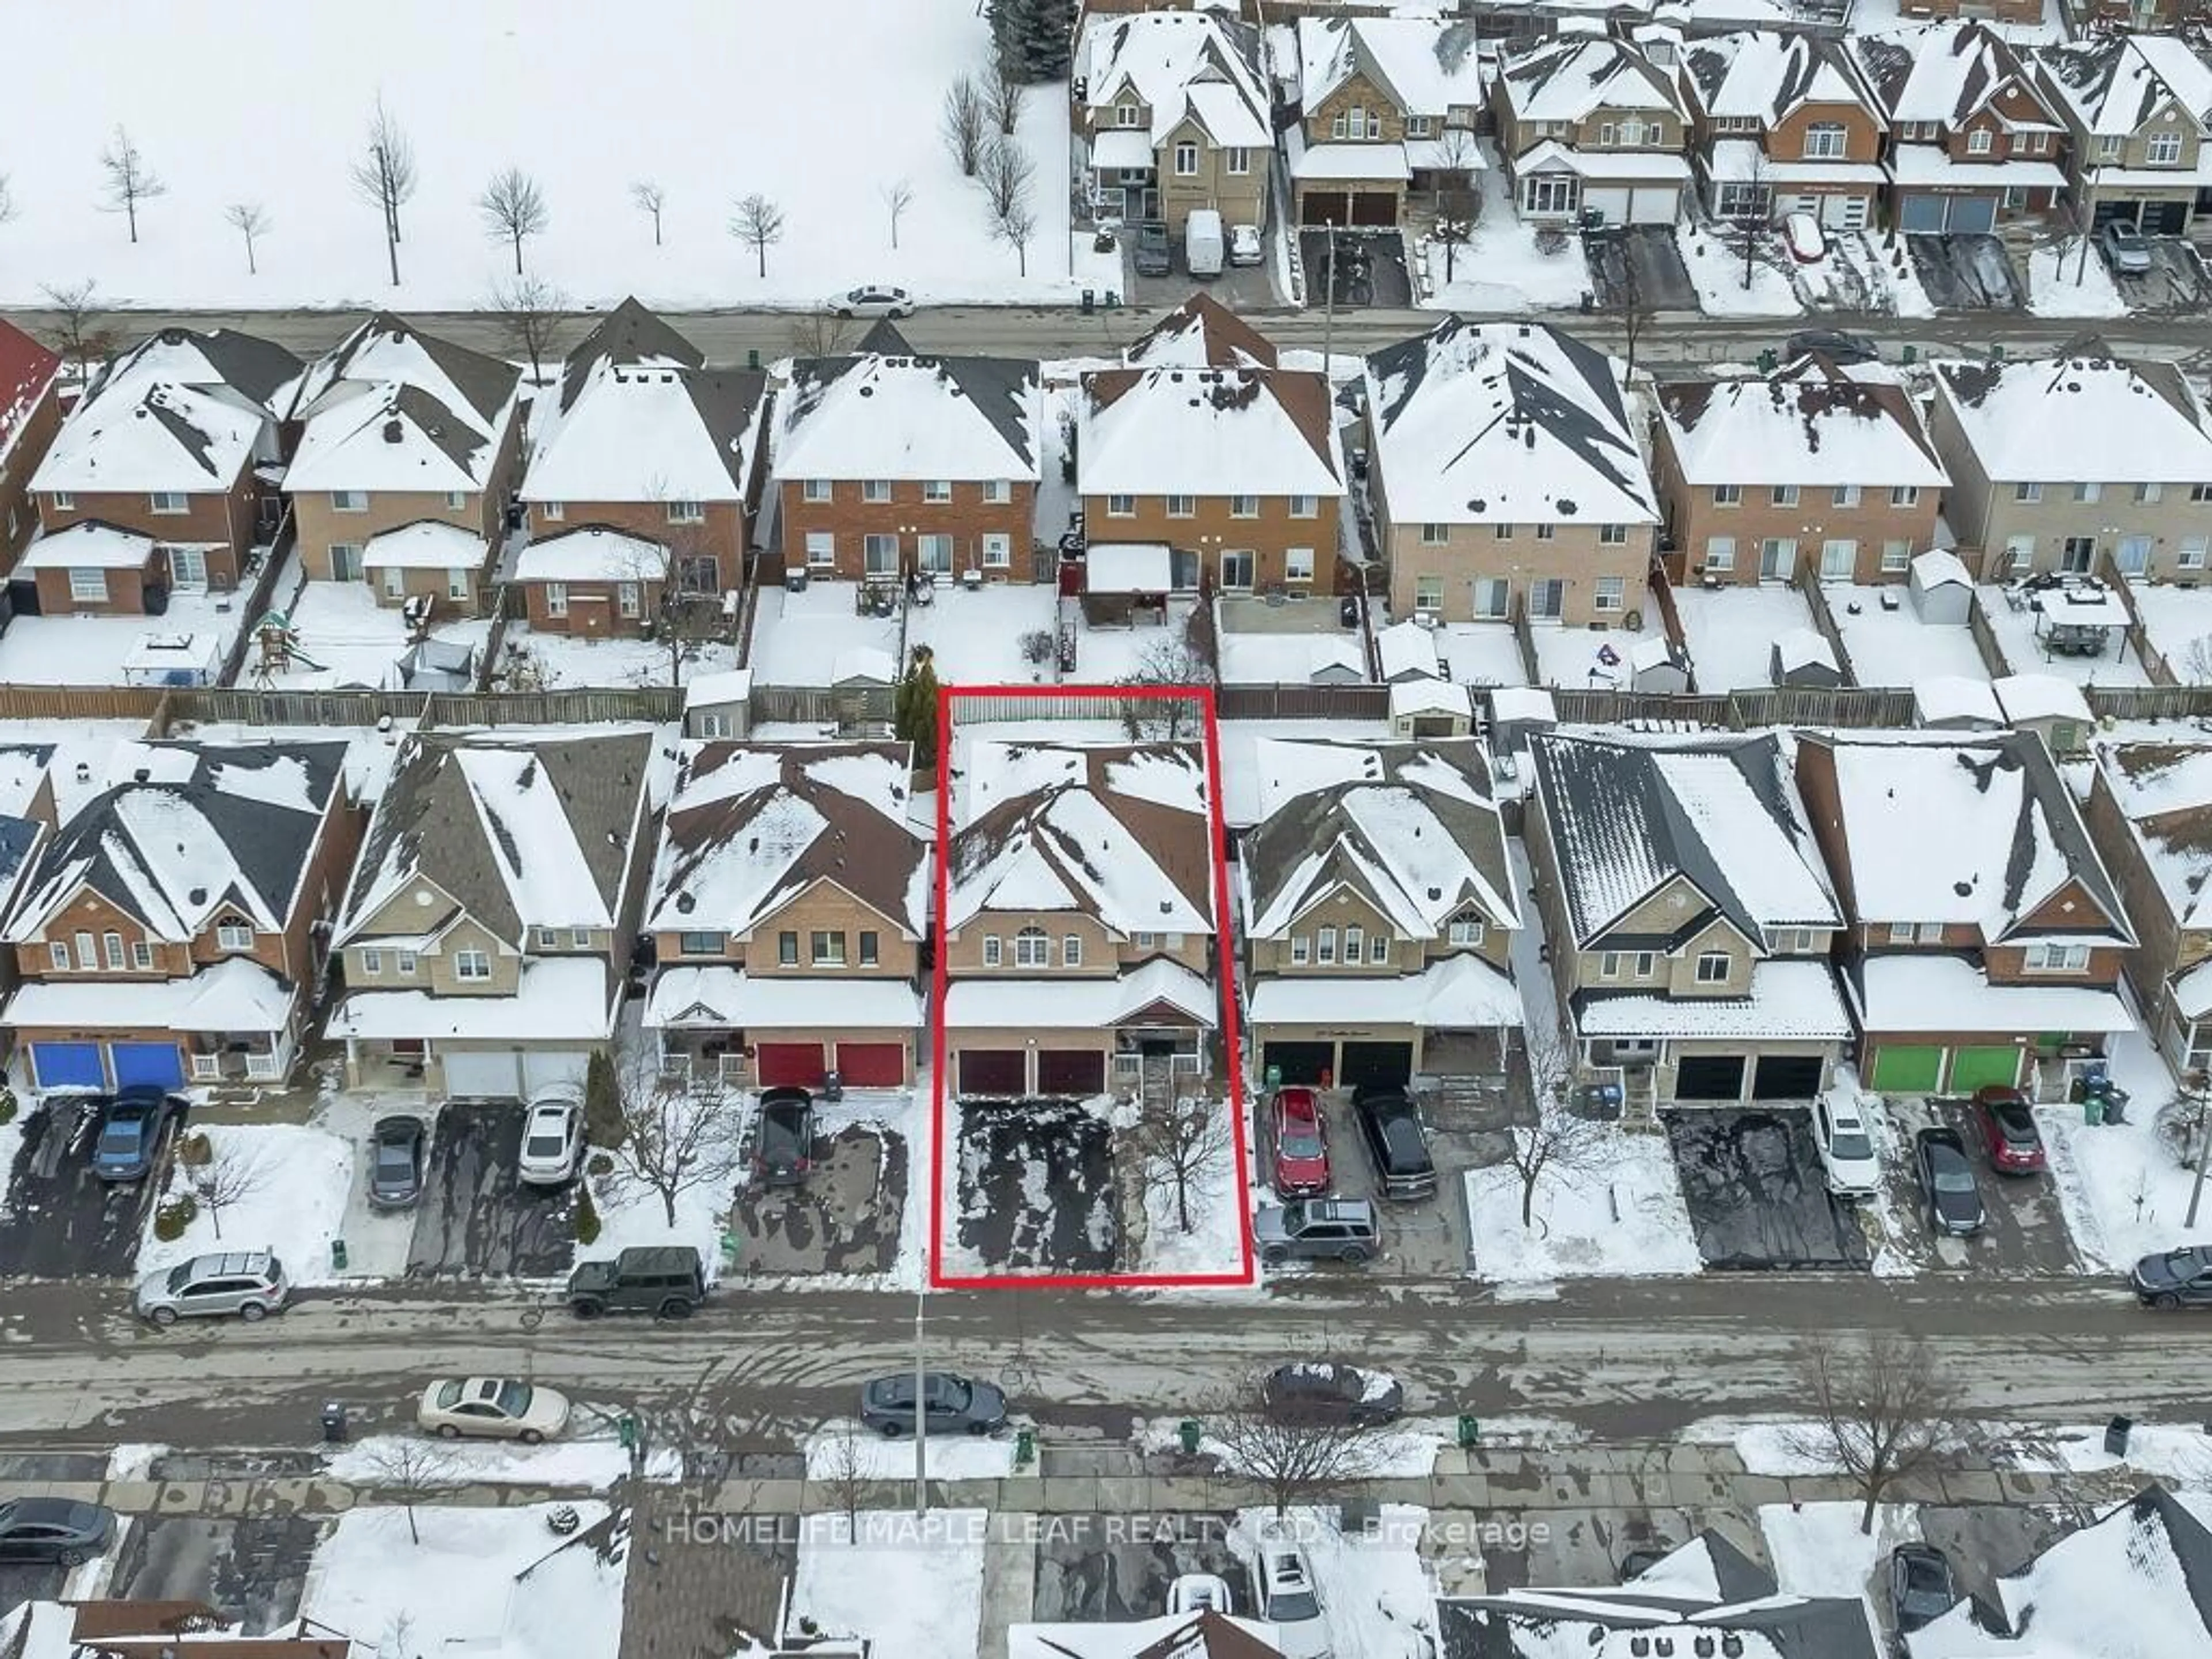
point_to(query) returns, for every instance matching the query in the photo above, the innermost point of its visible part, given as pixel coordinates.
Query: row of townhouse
(1929, 126)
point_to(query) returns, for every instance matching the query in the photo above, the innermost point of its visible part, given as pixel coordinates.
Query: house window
(1839, 559)
(1847, 495)
(2027, 492)
(57, 956)
(1339, 125)
(234, 936)
(1979, 142)
(580, 939)
(187, 566)
(1032, 948)
(821, 548)
(395, 582)
(86, 959)
(826, 949)
(998, 549)
(1378, 950)
(2077, 554)
(1824, 142)
(1931, 933)
(678, 511)
(2149, 494)
(349, 500)
(1905, 495)
(786, 950)
(1355, 941)
(1551, 193)
(87, 584)
(1713, 968)
(2190, 556)
(1239, 159)
(2163, 151)
(699, 945)
(455, 500)
(878, 490)
(548, 938)
(168, 502)
(1501, 533)
(141, 955)
(1610, 593)
(1243, 507)
(1645, 963)
(457, 584)
(471, 966)
(1071, 951)
(1464, 932)
(1121, 507)
(556, 598)
(2018, 554)
(403, 962)
(1420, 126)
(1428, 593)
(1297, 564)
(113, 944)
(879, 555)
(1301, 951)
(630, 597)
(1608, 135)
(1901, 932)
(1186, 160)
(1545, 532)
(1325, 946)
(871, 948)
(937, 490)
(1493, 597)
(1236, 569)
(1728, 495)
(1783, 495)
(1434, 535)
(551, 512)
(372, 962)
(1182, 506)
(993, 951)
(1608, 965)
(815, 489)
(1720, 553)
(2089, 492)
(2057, 958)
(1896, 556)
(64, 501)
(1305, 507)
(1127, 115)
(1612, 535)
(933, 553)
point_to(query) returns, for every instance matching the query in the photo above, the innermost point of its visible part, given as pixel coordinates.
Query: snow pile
(845, 1448)
(1714, 258)
(2122, 1195)
(2061, 284)
(1817, 1549)
(1621, 1216)
(295, 1181)
(592, 1464)
(914, 1587)
(1405, 1450)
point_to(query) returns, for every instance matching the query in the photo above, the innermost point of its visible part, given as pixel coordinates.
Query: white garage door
(490, 1074)
(1653, 205)
(1611, 202)
(542, 1065)
(1843, 212)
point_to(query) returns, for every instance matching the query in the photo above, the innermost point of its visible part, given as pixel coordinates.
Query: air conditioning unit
(1428, 619)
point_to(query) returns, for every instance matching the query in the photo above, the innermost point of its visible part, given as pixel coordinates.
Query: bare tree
(384, 175)
(898, 198)
(1002, 94)
(1005, 176)
(408, 1471)
(1459, 203)
(758, 223)
(230, 1176)
(1747, 226)
(250, 220)
(678, 1136)
(845, 1476)
(1015, 229)
(650, 199)
(8, 207)
(1883, 1410)
(513, 208)
(397, 1641)
(530, 310)
(965, 120)
(78, 333)
(821, 333)
(1629, 307)
(1183, 1142)
(1293, 1456)
(1556, 1143)
(129, 180)
(1171, 658)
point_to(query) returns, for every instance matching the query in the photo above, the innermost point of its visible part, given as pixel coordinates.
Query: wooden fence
(1303, 703)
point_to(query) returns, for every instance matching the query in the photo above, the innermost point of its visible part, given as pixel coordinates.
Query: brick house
(661, 457)
(177, 927)
(1586, 125)
(1781, 125)
(28, 819)
(399, 429)
(1999, 11)
(1803, 467)
(176, 444)
(887, 464)
(1201, 333)
(1377, 907)
(1972, 141)
(1503, 473)
(1982, 940)
(2137, 109)
(1169, 114)
(787, 906)
(1388, 107)
(30, 415)
(2149, 813)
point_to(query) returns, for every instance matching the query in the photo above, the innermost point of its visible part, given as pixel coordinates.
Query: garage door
(1786, 1076)
(1611, 205)
(1921, 215)
(2164, 218)
(1978, 1068)
(788, 1065)
(1375, 207)
(542, 1066)
(1649, 205)
(1709, 1076)
(1327, 207)
(1071, 1072)
(999, 1073)
(1908, 1070)
(1841, 212)
(872, 1065)
(494, 1074)
(68, 1066)
(157, 1063)
(1388, 1064)
(1298, 1062)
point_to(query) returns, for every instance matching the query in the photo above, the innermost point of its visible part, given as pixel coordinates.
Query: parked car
(1834, 345)
(1946, 1183)
(395, 1162)
(2125, 250)
(57, 1530)
(552, 1136)
(1323, 1391)
(952, 1404)
(131, 1132)
(783, 1149)
(1839, 1131)
(2171, 1279)
(1203, 249)
(873, 303)
(1244, 245)
(2008, 1131)
(1301, 1142)
(248, 1283)
(1155, 249)
(1397, 1145)
(1201, 1592)
(1809, 243)
(667, 1281)
(491, 1408)
(1283, 1582)
(1921, 1586)
(1317, 1230)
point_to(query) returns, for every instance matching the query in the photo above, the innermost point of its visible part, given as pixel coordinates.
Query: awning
(236, 996)
(1944, 993)
(1128, 567)
(1345, 163)
(1089, 1005)
(1461, 993)
(425, 545)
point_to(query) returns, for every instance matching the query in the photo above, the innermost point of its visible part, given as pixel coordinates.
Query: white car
(1200, 1592)
(552, 1137)
(873, 303)
(1244, 247)
(1283, 1580)
(1839, 1130)
(491, 1408)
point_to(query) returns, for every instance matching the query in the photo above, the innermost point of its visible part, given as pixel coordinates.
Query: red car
(1301, 1144)
(2008, 1131)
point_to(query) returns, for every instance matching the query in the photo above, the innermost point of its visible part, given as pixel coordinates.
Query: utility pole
(1328, 304)
(2199, 1090)
(921, 1415)
(2081, 269)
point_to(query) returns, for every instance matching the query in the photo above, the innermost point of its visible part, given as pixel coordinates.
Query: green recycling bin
(2092, 1110)
(1470, 1431)
(1187, 1432)
(338, 1255)
(1024, 1447)
(1275, 1078)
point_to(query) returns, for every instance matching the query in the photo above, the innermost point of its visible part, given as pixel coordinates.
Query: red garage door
(789, 1065)
(995, 1072)
(1071, 1072)
(872, 1065)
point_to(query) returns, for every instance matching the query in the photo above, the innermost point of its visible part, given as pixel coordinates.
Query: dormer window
(232, 935)
(1465, 930)
(1980, 141)
(1032, 948)
(1128, 115)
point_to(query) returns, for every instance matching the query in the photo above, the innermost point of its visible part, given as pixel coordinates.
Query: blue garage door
(148, 1062)
(67, 1064)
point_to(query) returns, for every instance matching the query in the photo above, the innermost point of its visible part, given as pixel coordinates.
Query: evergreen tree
(1046, 38)
(914, 712)
(1010, 21)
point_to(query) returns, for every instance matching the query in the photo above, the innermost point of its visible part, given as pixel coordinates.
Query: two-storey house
(1591, 132)
(787, 906)
(1781, 125)
(2149, 813)
(1972, 141)
(28, 819)
(162, 479)
(1983, 940)
(409, 447)
(1802, 466)
(1201, 333)
(30, 415)
(486, 942)
(1080, 920)
(1503, 471)
(1377, 907)
(1388, 107)
(2138, 109)
(2056, 465)
(643, 474)
(1170, 114)
(2000, 11)
(1690, 919)
(889, 466)
(175, 928)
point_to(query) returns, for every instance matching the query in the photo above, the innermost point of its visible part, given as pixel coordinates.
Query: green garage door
(1908, 1070)
(1976, 1068)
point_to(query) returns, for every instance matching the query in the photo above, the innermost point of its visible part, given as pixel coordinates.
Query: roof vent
(1436, 892)
(1731, 1645)
(393, 432)
(143, 775)
(1963, 889)
(1476, 504)
(867, 392)
(197, 895)
(685, 903)
(1166, 909)
(1703, 1646)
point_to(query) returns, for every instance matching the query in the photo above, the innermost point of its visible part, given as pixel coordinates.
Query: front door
(1775, 558)
(187, 566)
(1547, 598)
(2132, 556)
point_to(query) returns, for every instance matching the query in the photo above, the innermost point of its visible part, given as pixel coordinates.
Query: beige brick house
(2149, 813)
(1388, 108)
(1170, 114)
(1781, 125)
(2137, 109)
(1590, 129)
(30, 415)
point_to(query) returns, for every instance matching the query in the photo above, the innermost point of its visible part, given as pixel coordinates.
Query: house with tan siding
(1170, 114)
(2149, 813)
(30, 415)
(2138, 113)
(1387, 109)
(1591, 131)
(1781, 125)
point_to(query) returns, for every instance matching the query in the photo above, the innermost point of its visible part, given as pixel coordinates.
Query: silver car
(248, 1283)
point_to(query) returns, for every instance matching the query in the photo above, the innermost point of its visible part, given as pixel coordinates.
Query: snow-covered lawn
(295, 1182)
(344, 637)
(1716, 266)
(2176, 619)
(1481, 653)
(1377, 1600)
(1216, 1202)
(813, 637)
(1895, 647)
(1573, 659)
(594, 1464)
(873, 1457)
(1405, 1450)
(1500, 268)
(556, 660)
(2059, 284)
(1289, 658)
(2015, 635)
(1817, 1549)
(1731, 631)
(977, 637)
(2123, 1195)
(1623, 1215)
(914, 1587)
(1103, 655)
(631, 1213)
(477, 89)
(93, 650)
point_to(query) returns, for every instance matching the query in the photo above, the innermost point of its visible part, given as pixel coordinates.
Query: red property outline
(1225, 955)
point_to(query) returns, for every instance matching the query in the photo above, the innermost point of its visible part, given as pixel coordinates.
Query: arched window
(1032, 948)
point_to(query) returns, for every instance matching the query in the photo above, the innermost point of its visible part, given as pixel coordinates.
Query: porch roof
(715, 998)
(1929, 165)
(558, 998)
(1122, 147)
(1604, 166)
(2192, 991)
(1461, 993)
(1738, 160)
(1347, 163)
(1792, 1000)
(236, 996)
(1084, 1003)
(1945, 993)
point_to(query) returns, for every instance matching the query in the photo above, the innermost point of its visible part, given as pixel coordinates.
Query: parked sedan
(1200, 1592)
(1921, 1586)
(1835, 345)
(130, 1133)
(2171, 1279)
(57, 1530)
(2008, 1131)
(873, 302)
(1397, 1145)
(1301, 1142)
(395, 1163)
(1946, 1183)
(784, 1152)
(1244, 245)
(953, 1405)
(1323, 1391)
(552, 1137)
(1839, 1131)
(2125, 250)
(491, 1408)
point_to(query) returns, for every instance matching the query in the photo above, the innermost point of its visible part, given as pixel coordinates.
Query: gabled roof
(1808, 423)
(1627, 819)
(1510, 422)
(1207, 432)
(1177, 1636)
(1201, 333)
(1426, 65)
(2068, 419)
(1567, 77)
(2113, 83)
(1415, 834)
(753, 825)
(2164, 790)
(26, 369)
(520, 833)
(1766, 74)
(184, 831)
(873, 417)
(1182, 64)
(1942, 71)
(392, 409)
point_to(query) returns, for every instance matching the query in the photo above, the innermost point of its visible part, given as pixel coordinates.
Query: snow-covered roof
(1206, 1635)
(1942, 699)
(235, 994)
(1181, 64)
(1210, 432)
(1083, 1005)
(557, 1000)
(1428, 696)
(724, 685)
(1766, 74)
(2041, 697)
(2077, 418)
(1523, 704)
(1128, 567)
(591, 553)
(1505, 422)
(2164, 790)
(88, 544)
(1804, 647)
(180, 411)
(27, 369)
(391, 409)
(2115, 83)
(751, 827)
(1939, 567)
(1334, 161)
(1424, 65)
(1626, 820)
(1459, 993)
(1661, 166)
(1407, 648)
(1571, 76)
(186, 833)
(718, 997)
(1943, 71)
(1933, 992)
(1411, 829)
(871, 415)
(1201, 333)
(1806, 423)
(1787, 998)
(425, 544)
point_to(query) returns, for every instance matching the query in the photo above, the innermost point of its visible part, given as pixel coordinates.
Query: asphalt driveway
(254, 1568)
(63, 1221)
(2025, 1235)
(1085, 1575)
(2176, 281)
(1036, 1186)
(1757, 1196)
(1966, 271)
(844, 1220)
(1371, 268)
(1646, 255)
(474, 1217)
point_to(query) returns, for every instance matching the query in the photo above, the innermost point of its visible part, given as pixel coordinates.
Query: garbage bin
(334, 1420)
(626, 1430)
(1275, 1078)
(2116, 1436)
(1188, 1432)
(1024, 1447)
(1089, 300)
(1470, 1431)
(338, 1255)
(2092, 1110)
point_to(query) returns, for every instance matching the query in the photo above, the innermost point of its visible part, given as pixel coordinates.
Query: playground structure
(279, 649)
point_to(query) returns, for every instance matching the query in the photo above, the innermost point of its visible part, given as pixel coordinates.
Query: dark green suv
(667, 1282)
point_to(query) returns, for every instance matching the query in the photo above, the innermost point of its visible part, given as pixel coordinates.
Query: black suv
(1397, 1145)
(784, 1152)
(667, 1282)
(1155, 249)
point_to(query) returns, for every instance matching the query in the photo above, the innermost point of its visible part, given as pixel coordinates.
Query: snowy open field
(818, 107)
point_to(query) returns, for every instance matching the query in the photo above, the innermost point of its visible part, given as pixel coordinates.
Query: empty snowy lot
(818, 107)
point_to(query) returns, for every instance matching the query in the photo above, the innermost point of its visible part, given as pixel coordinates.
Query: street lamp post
(2088, 225)
(921, 1414)
(2200, 1089)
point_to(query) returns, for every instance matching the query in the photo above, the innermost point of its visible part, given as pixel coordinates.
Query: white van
(1202, 247)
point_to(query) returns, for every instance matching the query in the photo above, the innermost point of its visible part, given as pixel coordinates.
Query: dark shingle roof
(626, 336)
